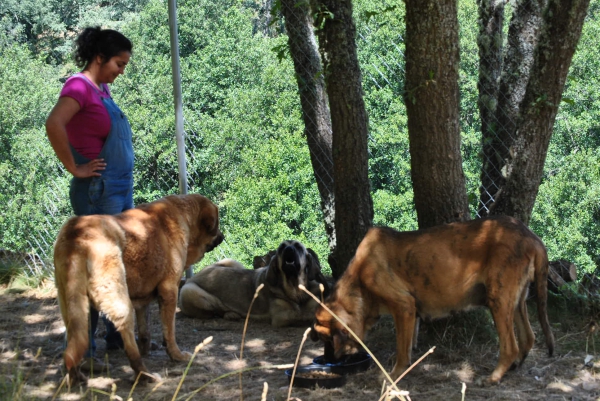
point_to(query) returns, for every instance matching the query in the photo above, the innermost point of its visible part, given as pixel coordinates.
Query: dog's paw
(232, 316)
(486, 382)
(74, 377)
(180, 356)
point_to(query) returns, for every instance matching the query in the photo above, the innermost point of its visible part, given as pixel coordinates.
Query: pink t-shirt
(89, 127)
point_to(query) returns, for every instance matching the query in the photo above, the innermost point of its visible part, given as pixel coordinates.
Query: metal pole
(183, 186)
(180, 134)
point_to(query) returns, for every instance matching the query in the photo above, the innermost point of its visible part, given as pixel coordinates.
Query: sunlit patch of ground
(31, 343)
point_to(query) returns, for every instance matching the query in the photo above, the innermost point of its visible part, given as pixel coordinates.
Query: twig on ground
(409, 369)
(137, 380)
(196, 350)
(235, 372)
(390, 394)
(62, 383)
(296, 363)
(265, 391)
(151, 391)
(260, 287)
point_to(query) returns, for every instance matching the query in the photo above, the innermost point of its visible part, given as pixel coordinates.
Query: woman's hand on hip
(90, 169)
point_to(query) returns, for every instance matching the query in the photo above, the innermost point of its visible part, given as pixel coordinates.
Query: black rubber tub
(310, 376)
(347, 364)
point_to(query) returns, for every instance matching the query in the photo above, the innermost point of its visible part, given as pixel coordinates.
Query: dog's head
(204, 232)
(259, 262)
(336, 338)
(293, 264)
(358, 314)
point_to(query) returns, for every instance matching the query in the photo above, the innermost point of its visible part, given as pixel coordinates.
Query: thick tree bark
(499, 131)
(353, 204)
(432, 105)
(315, 108)
(559, 35)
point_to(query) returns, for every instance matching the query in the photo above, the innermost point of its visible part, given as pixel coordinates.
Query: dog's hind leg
(525, 336)
(142, 316)
(119, 310)
(196, 302)
(503, 313)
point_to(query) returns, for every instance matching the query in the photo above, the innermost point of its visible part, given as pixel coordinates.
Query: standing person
(93, 140)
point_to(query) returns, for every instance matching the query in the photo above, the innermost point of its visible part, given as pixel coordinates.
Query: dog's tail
(541, 282)
(71, 276)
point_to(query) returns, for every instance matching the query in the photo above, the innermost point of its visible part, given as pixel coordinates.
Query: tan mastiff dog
(121, 263)
(226, 288)
(434, 272)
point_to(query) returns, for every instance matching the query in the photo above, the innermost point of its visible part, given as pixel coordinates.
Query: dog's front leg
(143, 316)
(284, 313)
(167, 301)
(404, 313)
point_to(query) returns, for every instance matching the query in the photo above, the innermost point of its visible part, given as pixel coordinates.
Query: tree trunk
(432, 105)
(489, 41)
(315, 109)
(499, 131)
(353, 203)
(559, 35)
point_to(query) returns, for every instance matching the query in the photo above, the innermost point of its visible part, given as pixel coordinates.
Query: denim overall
(111, 193)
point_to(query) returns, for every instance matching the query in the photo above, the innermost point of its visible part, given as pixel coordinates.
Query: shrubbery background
(245, 143)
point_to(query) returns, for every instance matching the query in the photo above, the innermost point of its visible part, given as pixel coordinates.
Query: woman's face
(114, 67)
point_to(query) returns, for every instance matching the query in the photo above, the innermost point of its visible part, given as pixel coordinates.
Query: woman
(92, 138)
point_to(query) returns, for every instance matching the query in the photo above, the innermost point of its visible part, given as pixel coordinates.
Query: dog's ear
(314, 336)
(314, 267)
(340, 337)
(210, 219)
(328, 348)
(273, 272)
(314, 271)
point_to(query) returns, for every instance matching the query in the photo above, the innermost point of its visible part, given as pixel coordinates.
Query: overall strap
(104, 90)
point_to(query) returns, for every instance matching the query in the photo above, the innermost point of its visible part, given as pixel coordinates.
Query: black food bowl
(347, 364)
(309, 376)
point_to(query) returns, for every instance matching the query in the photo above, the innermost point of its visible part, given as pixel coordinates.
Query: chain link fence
(384, 71)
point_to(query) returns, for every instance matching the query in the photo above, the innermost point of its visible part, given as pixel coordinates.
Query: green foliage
(244, 140)
(48, 26)
(567, 217)
(244, 132)
(28, 167)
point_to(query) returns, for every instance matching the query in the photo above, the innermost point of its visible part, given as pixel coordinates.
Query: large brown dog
(434, 272)
(226, 288)
(121, 263)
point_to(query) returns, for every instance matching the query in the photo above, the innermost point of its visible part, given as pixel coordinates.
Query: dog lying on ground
(121, 263)
(435, 272)
(226, 288)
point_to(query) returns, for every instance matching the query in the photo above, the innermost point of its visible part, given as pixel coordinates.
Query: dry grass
(32, 338)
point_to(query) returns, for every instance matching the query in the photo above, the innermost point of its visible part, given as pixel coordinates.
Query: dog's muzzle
(216, 242)
(291, 261)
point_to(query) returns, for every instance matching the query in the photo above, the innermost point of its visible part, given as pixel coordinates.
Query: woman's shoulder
(77, 88)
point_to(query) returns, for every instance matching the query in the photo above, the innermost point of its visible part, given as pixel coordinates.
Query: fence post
(183, 185)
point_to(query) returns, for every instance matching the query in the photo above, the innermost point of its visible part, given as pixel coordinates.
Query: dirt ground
(31, 343)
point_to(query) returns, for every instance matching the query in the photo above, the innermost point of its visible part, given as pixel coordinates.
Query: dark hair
(95, 41)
